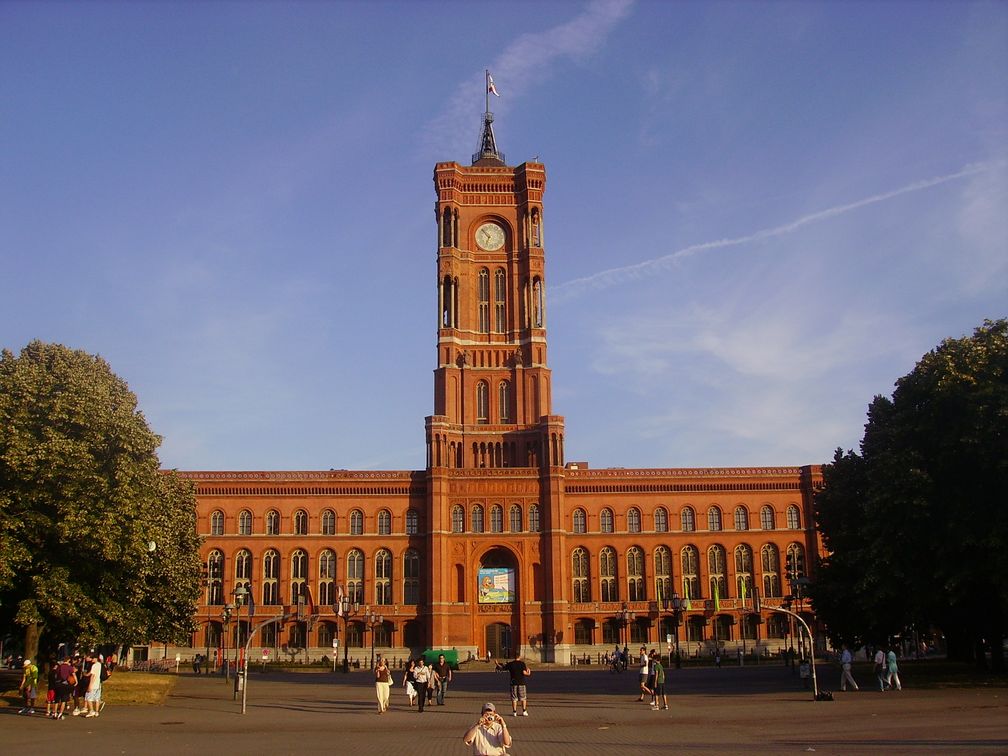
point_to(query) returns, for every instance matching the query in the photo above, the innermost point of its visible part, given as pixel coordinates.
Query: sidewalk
(759, 710)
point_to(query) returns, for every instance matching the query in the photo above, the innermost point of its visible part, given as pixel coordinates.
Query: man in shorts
(519, 671)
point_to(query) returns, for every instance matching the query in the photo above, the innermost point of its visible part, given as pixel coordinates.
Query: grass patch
(121, 689)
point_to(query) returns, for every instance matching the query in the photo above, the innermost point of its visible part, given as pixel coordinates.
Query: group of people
(424, 683)
(652, 679)
(886, 669)
(78, 678)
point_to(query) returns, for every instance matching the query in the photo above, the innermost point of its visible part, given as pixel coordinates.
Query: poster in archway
(496, 585)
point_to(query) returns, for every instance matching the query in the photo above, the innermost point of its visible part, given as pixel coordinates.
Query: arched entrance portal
(498, 640)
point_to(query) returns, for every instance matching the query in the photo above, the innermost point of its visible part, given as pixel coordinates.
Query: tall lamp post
(626, 616)
(226, 617)
(347, 607)
(240, 594)
(373, 621)
(677, 610)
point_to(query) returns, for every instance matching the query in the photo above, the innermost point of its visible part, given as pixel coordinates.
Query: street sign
(265, 654)
(335, 642)
(668, 637)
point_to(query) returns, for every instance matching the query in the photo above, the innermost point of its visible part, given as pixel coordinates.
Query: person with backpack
(29, 687)
(66, 681)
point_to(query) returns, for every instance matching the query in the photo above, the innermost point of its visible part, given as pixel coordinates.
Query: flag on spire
(490, 85)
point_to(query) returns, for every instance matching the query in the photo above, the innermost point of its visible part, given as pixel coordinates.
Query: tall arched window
(716, 571)
(243, 568)
(633, 520)
(607, 574)
(458, 519)
(533, 518)
(537, 303)
(215, 578)
(606, 521)
(384, 522)
(504, 401)
(515, 516)
(299, 574)
(766, 516)
(327, 578)
(482, 402)
(356, 522)
(383, 577)
(580, 521)
(244, 522)
(300, 522)
(635, 574)
(271, 578)
(793, 518)
(663, 575)
(580, 576)
(690, 559)
(477, 519)
(355, 576)
(500, 301)
(688, 519)
(770, 562)
(496, 519)
(328, 522)
(483, 293)
(661, 520)
(743, 570)
(741, 518)
(796, 558)
(412, 522)
(714, 518)
(217, 523)
(411, 578)
(272, 522)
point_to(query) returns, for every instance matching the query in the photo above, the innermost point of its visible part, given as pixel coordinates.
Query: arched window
(607, 574)
(384, 522)
(299, 574)
(635, 574)
(633, 520)
(412, 522)
(743, 570)
(327, 578)
(690, 559)
(515, 516)
(688, 519)
(716, 572)
(500, 301)
(217, 523)
(411, 577)
(580, 521)
(272, 522)
(504, 401)
(606, 521)
(458, 519)
(580, 576)
(741, 518)
(714, 518)
(328, 522)
(215, 578)
(482, 402)
(766, 517)
(300, 522)
(355, 576)
(383, 577)
(770, 562)
(271, 578)
(533, 518)
(483, 293)
(793, 518)
(661, 520)
(244, 522)
(477, 519)
(356, 522)
(243, 568)
(796, 560)
(496, 519)
(663, 575)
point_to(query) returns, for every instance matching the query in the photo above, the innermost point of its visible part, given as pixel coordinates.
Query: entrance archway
(498, 640)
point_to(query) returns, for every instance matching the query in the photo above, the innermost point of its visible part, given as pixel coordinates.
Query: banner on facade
(496, 585)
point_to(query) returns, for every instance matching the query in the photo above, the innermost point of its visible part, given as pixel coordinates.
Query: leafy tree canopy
(96, 543)
(916, 525)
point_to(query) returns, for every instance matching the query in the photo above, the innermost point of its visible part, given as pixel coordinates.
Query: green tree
(915, 526)
(96, 543)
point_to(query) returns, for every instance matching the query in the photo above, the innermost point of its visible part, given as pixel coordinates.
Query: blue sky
(758, 215)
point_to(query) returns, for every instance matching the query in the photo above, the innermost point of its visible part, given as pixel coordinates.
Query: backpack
(106, 671)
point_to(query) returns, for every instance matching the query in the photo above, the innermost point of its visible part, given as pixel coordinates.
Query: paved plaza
(758, 709)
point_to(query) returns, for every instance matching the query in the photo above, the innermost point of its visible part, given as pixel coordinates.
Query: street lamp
(677, 610)
(240, 594)
(625, 616)
(373, 621)
(226, 617)
(347, 607)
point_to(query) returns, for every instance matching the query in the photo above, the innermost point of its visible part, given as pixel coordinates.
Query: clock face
(490, 237)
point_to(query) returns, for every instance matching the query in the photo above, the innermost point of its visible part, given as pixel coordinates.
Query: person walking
(409, 682)
(658, 699)
(518, 670)
(422, 675)
(92, 698)
(29, 686)
(651, 672)
(489, 736)
(846, 660)
(642, 676)
(383, 684)
(892, 670)
(880, 668)
(442, 676)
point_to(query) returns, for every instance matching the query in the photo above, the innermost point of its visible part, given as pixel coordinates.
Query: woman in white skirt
(408, 680)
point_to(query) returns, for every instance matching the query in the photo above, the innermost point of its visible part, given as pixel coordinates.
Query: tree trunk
(31, 641)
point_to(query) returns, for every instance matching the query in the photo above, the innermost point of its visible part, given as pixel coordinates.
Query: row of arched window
(687, 519)
(299, 522)
(504, 413)
(282, 581)
(481, 521)
(607, 577)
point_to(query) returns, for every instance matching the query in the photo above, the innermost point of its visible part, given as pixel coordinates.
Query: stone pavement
(759, 709)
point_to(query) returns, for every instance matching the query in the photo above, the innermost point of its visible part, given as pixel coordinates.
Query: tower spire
(488, 154)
